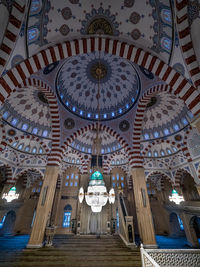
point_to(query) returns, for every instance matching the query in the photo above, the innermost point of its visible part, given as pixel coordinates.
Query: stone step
(76, 251)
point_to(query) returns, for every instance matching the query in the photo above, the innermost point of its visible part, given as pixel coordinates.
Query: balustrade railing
(170, 257)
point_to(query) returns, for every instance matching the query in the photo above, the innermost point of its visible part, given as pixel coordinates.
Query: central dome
(78, 80)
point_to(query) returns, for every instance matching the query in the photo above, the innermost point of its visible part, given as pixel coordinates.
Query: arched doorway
(176, 226)
(94, 223)
(195, 223)
(9, 223)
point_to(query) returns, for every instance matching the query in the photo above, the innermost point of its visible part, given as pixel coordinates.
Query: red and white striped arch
(136, 160)
(93, 126)
(54, 157)
(30, 137)
(157, 142)
(180, 86)
(3, 143)
(24, 172)
(178, 176)
(9, 175)
(12, 31)
(163, 177)
(186, 41)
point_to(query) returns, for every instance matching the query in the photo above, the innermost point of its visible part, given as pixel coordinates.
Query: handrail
(170, 257)
(147, 260)
(122, 222)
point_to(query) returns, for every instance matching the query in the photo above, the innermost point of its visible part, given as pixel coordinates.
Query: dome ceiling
(164, 115)
(148, 23)
(28, 109)
(83, 79)
(84, 142)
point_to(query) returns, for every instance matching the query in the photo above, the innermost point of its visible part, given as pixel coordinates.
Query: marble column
(143, 210)
(189, 231)
(198, 188)
(44, 207)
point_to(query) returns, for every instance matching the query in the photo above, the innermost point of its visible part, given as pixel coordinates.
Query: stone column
(198, 188)
(44, 207)
(189, 231)
(143, 210)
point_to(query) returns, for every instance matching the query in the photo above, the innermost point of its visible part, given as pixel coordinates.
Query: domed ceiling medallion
(100, 21)
(69, 123)
(77, 85)
(124, 125)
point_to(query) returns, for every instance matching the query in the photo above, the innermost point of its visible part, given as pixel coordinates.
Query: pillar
(44, 207)
(189, 231)
(143, 210)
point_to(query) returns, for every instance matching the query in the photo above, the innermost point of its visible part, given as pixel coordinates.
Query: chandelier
(175, 197)
(11, 195)
(96, 195)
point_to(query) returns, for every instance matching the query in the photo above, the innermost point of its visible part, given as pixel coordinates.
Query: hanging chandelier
(11, 195)
(175, 197)
(96, 195)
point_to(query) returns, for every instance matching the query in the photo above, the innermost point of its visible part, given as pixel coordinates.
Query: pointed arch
(180, 86)
(93, 126)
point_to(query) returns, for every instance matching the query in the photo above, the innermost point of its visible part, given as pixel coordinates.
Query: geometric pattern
(85, 79)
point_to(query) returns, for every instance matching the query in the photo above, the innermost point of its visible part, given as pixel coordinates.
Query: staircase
(79, 251)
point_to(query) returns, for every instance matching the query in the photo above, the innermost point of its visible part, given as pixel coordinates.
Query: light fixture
(96, 195)
(11, 195)
(175, 197)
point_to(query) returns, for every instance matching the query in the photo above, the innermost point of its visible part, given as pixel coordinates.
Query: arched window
(166, 131)
(35, 7)
(14, 121)
(149, 154)
(155, 154)
(33, 34)
(45, 133)
(180, 223)
(169, 151)
(67, 216)
(2, 221)
(113, 162)
(117, 162)
(40, 150)
(176, 127)
(166, 44)
(166, 16)
(20, 147)
(174, 148)
(156, 134)
(27, 148)
(35, 130)
(6, 115)
(146, 136)
(78, 161)
(117, 217)
(15, 143)
(34, 150)
(73, 160)
(162, 152)
(25, 126)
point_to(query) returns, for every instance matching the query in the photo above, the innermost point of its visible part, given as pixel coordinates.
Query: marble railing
(170, 257)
